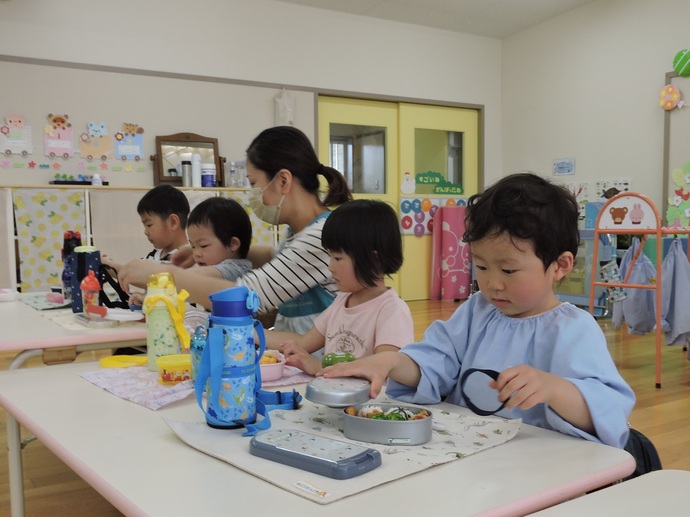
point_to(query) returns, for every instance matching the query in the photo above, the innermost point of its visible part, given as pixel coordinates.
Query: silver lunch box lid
(338, 391)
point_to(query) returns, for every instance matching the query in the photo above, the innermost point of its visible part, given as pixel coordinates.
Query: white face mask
(267, 213)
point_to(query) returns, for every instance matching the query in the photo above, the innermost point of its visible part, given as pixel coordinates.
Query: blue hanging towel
(675, 293)
(638, 309)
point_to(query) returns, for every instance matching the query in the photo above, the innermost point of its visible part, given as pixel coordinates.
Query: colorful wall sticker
(15, 136)
(129, 143)
(681, 63)
(678, 212)
(417, 213)
(669, 98)
(57, 138)
(95, 142)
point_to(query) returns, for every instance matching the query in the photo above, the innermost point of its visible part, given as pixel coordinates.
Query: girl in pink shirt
(364, 242)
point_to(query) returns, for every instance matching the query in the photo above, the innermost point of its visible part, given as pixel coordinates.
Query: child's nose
(494, 282)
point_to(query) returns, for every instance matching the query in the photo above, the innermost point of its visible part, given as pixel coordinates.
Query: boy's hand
(375, 367)
(297, 356)
(524, 386)
(183, 257)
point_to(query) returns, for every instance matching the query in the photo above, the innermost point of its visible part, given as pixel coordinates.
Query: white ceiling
(492, 18)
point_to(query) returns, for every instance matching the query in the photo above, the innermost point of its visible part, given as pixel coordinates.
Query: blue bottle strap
(210, 367)
(203, 371)
(267, 401)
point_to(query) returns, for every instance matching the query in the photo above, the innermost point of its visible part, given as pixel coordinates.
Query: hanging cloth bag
(638, 309)
(675, 295)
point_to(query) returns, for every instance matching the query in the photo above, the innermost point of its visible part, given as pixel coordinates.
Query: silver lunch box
(388, 432)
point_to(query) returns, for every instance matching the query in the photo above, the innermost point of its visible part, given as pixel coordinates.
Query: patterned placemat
(139, 385)
(39, 301)
(463, 434)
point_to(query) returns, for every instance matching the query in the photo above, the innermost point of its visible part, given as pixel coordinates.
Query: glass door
(388, 150)
(439, 153)
(360, 139)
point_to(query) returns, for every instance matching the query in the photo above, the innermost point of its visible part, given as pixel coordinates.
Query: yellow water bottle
(164, 308)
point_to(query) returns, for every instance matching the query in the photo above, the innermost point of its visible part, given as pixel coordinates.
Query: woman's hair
(286, 147)
(368, 232)
(227, 219)
(163, 201)
(526, 207)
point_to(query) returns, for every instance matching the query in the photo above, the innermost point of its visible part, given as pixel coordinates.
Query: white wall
(232, 113)
(587, 84)
(264, 41)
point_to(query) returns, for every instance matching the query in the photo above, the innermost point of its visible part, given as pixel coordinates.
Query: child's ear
(234, 244)
(564, 265)
(174, 221)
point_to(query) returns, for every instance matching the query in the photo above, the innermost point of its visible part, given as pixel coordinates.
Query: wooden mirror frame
(184, 140)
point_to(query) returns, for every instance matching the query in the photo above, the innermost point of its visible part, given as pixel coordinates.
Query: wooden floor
(52, 489)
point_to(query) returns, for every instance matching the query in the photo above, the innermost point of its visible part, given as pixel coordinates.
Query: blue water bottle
(228, 372)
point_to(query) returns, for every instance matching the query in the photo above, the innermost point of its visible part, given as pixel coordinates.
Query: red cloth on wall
(451, 263)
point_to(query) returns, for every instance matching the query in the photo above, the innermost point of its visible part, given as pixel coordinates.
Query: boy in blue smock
(551, 365)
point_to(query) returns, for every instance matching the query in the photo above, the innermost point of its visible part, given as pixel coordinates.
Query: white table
(28, 332)
(129, 455)
(662, 492)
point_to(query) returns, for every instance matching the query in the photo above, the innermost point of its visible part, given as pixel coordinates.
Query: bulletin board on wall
(98, 99)
(675, 210)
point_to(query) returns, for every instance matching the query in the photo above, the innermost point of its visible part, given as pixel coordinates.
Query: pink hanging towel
(451, 265)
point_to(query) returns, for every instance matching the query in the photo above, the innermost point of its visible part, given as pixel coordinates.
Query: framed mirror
(171, 150)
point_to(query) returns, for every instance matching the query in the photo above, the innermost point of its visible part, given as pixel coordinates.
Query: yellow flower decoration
(39, 198)
(24, 219)
(75, 199)
(46, 255)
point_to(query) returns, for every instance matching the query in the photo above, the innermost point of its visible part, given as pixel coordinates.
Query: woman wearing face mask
(284, 171)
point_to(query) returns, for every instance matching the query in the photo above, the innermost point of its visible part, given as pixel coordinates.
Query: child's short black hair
(526, 207)
(369, 233)
(163, 201)
(227, 218)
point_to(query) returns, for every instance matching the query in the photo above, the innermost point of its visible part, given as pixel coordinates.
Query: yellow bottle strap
(176, 313)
